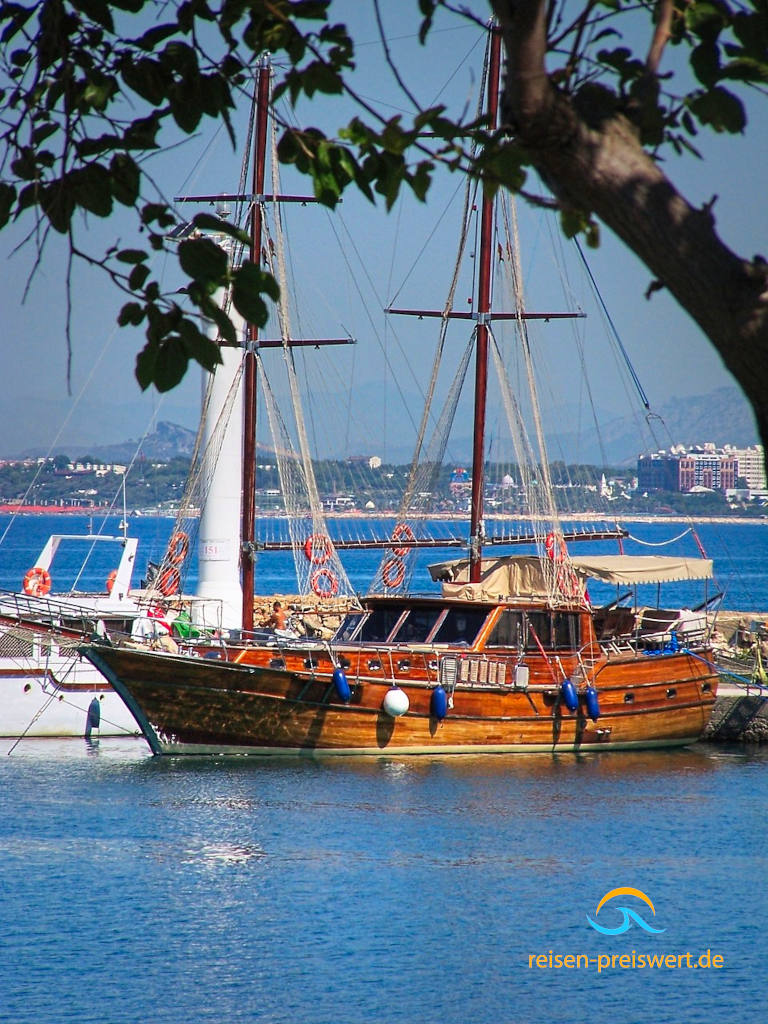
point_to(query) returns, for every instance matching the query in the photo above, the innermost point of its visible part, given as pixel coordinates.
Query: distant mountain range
(722, 417)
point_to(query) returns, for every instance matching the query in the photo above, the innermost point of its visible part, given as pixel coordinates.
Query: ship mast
(481, 338)
(248, 526)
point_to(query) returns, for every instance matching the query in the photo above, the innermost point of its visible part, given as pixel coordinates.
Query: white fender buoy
(396, 702)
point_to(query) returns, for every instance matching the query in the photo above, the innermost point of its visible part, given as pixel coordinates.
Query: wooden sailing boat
(510, 656)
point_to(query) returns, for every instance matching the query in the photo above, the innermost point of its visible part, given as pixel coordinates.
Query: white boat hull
(57, 700)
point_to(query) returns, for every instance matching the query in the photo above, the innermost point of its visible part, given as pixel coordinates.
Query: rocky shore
(738, 719)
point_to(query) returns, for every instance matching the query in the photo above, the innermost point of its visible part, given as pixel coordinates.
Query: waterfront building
(700, 467)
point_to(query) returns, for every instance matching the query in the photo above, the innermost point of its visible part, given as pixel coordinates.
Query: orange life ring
(393, 573)
(111, 580)
(168, 581)
(402, 531)
(37, 582)
(178, 547)
(324, 582)
(317, 548)
(557, 552)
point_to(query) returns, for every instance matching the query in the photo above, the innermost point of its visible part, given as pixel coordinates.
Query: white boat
(46, 688)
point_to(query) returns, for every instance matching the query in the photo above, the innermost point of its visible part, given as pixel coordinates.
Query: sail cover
(522, 574)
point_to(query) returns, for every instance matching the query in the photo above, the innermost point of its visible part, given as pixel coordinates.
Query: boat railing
(47, 613)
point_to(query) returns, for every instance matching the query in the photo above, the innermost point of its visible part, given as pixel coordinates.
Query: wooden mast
(481, 339)
(247, 535)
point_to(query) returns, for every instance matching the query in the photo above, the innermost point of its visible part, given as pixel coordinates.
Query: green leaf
(98, 11)
(141, 133)
(159, 212)
(92, 189)
(131, 313)
(214, 312)
(427, 8)
(156, 35)
(43, 132)
(131, 256)
(7, 199)
(720, 109)
(126, 179)
(705, 61)
(138, 276)
(203, 260)
(25, 164)
(170, 364)
(58, 204)
(746, 69)
(145, 365)
(209, 222)
(249, 282)
(704, 19)
(99, 144)
(186, 108)
(99, 92)
(198, 346)
(146, 78)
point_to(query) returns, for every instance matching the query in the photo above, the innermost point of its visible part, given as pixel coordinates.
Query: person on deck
(277, 618)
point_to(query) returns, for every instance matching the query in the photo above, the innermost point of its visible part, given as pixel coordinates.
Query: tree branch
(661, 35)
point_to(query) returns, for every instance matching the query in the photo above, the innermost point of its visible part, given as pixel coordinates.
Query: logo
(629, 915)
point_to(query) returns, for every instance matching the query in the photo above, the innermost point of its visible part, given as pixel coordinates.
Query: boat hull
(57, 703)
(195, 706)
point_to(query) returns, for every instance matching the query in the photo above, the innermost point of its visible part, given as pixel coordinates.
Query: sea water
(739, 550)
(411, 890)
(445, 890)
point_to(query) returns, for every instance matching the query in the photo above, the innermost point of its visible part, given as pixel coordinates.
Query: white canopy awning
(516, 575)
(631, 569)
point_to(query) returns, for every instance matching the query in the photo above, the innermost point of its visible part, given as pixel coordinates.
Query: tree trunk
(605, 170)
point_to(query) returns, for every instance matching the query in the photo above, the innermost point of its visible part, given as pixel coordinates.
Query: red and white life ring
(324, 582)
(567, 581)
(37, 582)
(558, 552)
(402, 531)
(169, 580)
(178, 547)
(393, 573)
(111, 581)
(317, 548)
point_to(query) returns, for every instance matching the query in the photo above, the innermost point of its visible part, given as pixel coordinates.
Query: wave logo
(629, 915)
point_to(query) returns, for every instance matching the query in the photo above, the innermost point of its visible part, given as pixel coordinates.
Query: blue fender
(341, 684)
(593, 704)
(438, 703)
(570, 696)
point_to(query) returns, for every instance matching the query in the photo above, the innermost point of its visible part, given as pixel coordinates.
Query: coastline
(572, 517)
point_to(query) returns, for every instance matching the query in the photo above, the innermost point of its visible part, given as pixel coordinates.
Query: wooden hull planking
(194, 705)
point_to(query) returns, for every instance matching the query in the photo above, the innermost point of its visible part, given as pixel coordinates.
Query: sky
(668, 351)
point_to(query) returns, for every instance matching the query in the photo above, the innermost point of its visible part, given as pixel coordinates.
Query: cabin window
(348, 627)
(417, 626)
(539, 629)
(567, 630)
(508, 631)
(380, 624)
(460, 625)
